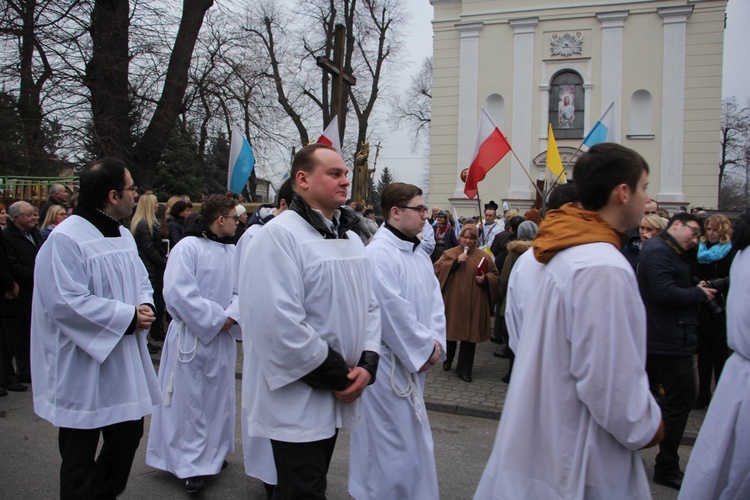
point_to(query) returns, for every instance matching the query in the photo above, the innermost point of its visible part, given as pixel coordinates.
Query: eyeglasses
(235, 217)
(695, 230)
(132, 188)
(421, 209)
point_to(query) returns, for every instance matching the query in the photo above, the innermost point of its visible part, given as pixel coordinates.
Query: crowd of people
(601, 306)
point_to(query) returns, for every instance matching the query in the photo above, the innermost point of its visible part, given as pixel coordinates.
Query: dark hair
(98, 179)
(684, 217)
(369, 211)
(516, 221)
(285, 193)
(178, 208)
(741, 236)
(215, 205)
(396, 194)
(604, 167)
(305, 160)
(561, 195)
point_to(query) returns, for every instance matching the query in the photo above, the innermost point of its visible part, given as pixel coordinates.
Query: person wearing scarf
(578, 407)
(715, 257)
(193, 431)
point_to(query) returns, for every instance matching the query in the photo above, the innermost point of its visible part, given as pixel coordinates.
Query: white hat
(240, 210)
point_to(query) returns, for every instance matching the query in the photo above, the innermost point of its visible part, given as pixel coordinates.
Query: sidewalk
(484, 397)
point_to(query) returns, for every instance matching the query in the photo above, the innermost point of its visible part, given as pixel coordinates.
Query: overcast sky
(409, 167)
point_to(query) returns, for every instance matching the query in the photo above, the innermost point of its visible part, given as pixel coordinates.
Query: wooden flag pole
(527, 173)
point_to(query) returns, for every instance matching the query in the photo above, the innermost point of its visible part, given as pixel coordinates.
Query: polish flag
(490, 149)
(330, 135)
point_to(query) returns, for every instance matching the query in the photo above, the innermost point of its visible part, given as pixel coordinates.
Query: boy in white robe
(308, 306)
(579, 406)
(719, 465)
(391, 449)
(91, 368)
(193, 431)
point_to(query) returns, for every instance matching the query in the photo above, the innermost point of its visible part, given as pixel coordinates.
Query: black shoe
(503, 352)
(465, 378)
(3, 392)
(194, 484)
(670, 480)
(16, 387)
(447, 365)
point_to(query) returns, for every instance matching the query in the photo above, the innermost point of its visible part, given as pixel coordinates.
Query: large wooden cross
(340, 76)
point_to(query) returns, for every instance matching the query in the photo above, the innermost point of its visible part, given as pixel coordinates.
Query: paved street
(30, 465)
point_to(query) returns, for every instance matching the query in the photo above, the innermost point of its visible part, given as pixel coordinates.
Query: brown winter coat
(515, 250)
(467, 304)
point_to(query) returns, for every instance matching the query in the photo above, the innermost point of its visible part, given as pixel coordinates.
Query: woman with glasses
(55, 215)
(469, 282)
(651, 225)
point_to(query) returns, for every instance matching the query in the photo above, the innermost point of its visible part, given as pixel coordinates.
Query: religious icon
(566, 110)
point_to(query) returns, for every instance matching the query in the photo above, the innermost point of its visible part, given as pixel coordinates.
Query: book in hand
(482, 267)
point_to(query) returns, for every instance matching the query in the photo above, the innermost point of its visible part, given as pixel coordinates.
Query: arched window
(566, 105)
(640, 113)
(495, 105)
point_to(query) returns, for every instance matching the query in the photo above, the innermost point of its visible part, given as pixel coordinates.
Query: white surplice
(256, 451)
(719, 466)
(579, 406)
(391, 453)
(87, 374)
(192, 433)
(299, 294)
(524, 276)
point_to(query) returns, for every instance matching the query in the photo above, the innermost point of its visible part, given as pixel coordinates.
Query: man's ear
(395, 213)
(621, 194)
(302, 180)
(113, 196)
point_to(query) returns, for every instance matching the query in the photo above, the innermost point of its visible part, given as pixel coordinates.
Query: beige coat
(467, 304)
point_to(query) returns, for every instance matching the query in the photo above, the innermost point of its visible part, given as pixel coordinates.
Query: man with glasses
(672, 302)
(310, 312)
(192, 432)
(91, 368)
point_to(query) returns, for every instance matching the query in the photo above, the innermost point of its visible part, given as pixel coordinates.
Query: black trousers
(465, 356)
(712, 354)
(85, 476)
(301, 468)
(16, 340)
(673, 385)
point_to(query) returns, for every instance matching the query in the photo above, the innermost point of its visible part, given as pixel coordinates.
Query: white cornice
(613, 19)
(675, 15)
(525, 25)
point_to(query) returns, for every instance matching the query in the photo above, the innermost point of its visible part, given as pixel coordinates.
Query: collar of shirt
(107, 225)
(415, 241)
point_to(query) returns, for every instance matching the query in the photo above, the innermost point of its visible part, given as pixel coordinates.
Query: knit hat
(240, 210)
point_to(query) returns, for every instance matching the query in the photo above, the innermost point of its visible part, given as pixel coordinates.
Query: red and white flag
(490, 149)
(330, 135)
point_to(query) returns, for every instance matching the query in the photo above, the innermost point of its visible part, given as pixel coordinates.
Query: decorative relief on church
(566, 44)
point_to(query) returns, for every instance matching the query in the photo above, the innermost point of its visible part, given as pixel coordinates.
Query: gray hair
(17, 208)
(56, 188)
(527, 230)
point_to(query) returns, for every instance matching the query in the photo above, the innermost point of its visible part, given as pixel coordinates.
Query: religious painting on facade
(566, 109)
(566, 105)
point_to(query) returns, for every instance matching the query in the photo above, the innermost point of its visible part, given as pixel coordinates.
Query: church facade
(561, 62)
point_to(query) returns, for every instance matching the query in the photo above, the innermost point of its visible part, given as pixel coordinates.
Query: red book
(482, 267)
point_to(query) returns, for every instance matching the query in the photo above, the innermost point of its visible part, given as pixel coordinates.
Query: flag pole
(567, 163)
(526, 172)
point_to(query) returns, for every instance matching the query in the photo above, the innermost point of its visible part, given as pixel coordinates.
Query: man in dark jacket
(22, 241)
(672, 302)
(58, 195)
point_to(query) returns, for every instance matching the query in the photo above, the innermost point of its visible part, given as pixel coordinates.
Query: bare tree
(735, 136)
(414, 107)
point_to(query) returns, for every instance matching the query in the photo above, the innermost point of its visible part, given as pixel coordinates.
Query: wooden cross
(340, 76)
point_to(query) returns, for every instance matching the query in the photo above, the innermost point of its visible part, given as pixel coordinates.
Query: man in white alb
(391, 449)
(91, 368)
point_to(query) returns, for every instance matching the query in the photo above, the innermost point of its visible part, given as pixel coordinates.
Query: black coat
(671, 299)
(711, 324)
(21, 254)
(151, 251)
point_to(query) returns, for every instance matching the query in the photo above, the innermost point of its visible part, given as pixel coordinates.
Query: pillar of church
(674, 20)
(523, 85)
(467, 99)
(613, 24)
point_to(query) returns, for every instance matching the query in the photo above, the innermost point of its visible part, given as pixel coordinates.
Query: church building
(532, 63)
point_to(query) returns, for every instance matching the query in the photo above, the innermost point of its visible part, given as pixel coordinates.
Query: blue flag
(241, 161)
(603, 130)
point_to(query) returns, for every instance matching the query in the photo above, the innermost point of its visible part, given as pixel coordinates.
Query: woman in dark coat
(148, 235)
(715, 256)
